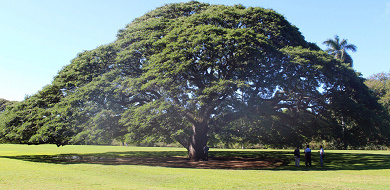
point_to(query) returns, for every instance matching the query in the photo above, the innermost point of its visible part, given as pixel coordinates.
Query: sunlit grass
(343, 170)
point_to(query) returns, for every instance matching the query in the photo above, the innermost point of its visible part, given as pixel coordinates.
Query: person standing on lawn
(297, 156)
(322, 155)
(206, 153)
(307, 156)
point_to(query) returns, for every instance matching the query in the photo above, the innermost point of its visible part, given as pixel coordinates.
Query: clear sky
(38, 38)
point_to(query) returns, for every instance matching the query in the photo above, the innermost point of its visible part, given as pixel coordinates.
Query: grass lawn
(46, 167)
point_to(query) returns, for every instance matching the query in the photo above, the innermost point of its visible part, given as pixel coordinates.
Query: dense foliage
(380, 84)
(194, 73)
(4, 103)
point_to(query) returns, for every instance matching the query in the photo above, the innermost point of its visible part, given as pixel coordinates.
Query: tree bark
(198, 140)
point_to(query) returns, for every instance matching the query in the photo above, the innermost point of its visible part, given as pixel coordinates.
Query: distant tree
(339, 49)
(380, 84)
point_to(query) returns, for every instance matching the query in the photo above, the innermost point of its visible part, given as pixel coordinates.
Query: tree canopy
(4, 103)
(195, 73)
(380, 84)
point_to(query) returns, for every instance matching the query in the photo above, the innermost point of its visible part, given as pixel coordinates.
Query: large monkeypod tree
(183, 70)
(202, 62)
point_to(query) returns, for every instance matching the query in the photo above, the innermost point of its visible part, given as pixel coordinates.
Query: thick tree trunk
(198, 140)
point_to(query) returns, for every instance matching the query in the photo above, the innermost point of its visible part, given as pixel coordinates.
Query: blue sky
(38, 38)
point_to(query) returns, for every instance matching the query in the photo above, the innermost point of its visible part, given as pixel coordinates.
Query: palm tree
(338, 49)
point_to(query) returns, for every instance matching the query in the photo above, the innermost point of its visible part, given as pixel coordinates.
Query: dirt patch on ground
(183, 162)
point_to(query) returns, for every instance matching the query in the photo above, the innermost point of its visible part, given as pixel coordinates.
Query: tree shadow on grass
(236, 160)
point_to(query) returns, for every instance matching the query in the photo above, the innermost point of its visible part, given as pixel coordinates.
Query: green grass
(32, 167)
